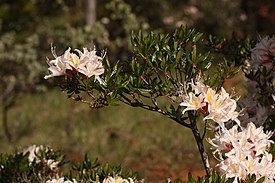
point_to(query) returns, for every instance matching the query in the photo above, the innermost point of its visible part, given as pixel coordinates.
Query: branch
(193, 120)
(154, 108)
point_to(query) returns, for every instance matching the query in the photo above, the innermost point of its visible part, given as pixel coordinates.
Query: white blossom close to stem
(217, 106)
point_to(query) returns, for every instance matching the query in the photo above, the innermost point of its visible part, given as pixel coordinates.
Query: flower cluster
(243, 153)
(35, 156)
(217, 106)
(259, 100)
(86, 62)
(263, 54)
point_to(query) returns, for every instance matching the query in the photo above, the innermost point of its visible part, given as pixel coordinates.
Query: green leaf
(194, 53)
(191, 179)
(142, 90)
(231, 180)
(261, 180)
(197, 37)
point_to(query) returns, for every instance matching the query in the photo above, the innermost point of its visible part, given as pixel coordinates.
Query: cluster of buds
(217, 106)
(244, 153)
(86, 63)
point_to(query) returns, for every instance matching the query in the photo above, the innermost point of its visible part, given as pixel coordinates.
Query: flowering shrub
(35, 163)
(179, 68)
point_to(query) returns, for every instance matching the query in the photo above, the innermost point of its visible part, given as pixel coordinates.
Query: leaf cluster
(94, 171)
(16, 167)
(160, 68)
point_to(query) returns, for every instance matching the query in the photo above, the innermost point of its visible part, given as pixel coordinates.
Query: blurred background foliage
(33, 112)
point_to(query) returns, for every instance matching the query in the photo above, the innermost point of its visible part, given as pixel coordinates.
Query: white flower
(34, 151)
(244, 152)
(61, 180)
(222, 108)
(35, 156)
(264, 167)
(218, 107)
(192, 102)
(223, 140)
(229, 168)
(90, 63)
(258, 138)
(52, 164)
(87, 63)
(117, 179)
(72, 59)
(58, 66)
(209, 95)
(199, 87)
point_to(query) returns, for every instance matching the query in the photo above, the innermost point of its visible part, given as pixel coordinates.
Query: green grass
(141, 140)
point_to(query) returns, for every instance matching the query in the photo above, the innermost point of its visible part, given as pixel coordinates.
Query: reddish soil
(158, 172)
(155, 169)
